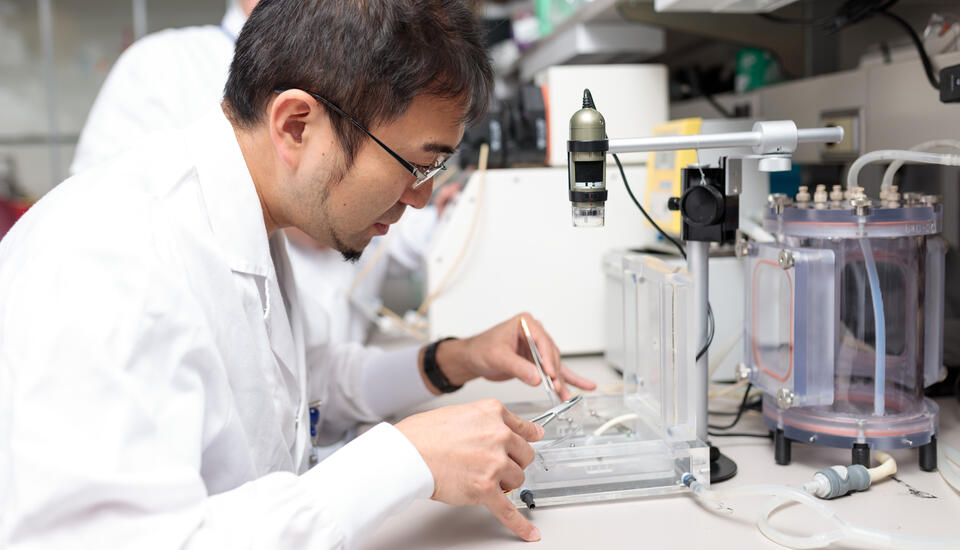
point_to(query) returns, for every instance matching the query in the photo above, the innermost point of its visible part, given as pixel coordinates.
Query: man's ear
(294, 118)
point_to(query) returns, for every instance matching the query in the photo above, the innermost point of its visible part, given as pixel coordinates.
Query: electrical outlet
(849, 120)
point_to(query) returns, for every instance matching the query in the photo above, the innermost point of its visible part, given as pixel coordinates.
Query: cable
(711, 323)
(918, 43)
(712, 329)
(740, 409)
(663, 233)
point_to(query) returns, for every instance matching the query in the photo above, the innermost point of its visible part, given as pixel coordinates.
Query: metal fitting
(785, 259)
(930, 200)
(785, 398)
(861, 205)
(778, 201)
(742, 249)
(912, 199)
(742, 372)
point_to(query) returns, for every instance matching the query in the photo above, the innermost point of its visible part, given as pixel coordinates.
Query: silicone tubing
(893, 154)
(924, 147)
(879, 328)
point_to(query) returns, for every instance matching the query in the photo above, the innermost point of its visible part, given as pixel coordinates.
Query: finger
(520, 451)
(504, 510)
(577, 380)
(527, 430)
(511, 477)
(518, 367)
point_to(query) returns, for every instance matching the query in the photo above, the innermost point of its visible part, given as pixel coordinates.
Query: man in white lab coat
(167, 80)
(154, 375)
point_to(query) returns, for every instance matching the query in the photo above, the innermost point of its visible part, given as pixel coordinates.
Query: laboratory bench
(914, 503)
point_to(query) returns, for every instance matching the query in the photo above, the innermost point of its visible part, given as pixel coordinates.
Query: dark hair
(368, 57)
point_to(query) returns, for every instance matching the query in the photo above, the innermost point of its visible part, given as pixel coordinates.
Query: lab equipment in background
(522, 242)
(622, 87)
(725, 6)
(844, 322)
(515, 129)
(867, 101)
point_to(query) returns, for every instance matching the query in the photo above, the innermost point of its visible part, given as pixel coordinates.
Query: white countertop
(921, 504)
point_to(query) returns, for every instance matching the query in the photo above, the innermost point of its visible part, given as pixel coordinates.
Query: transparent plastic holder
(659, 344)
(789, 316)
(933, 310)
(642, 441)
(587, 216)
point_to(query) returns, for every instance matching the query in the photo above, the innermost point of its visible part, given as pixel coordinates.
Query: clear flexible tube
(925, 147)
(844, 532)
(879, 327)
(948, 462)
(893, 154)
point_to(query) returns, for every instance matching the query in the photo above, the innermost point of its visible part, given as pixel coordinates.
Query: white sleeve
(110, 394)
(409, 247)
(329, 506)
(362, 384)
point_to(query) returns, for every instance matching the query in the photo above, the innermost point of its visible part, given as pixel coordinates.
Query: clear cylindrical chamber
(902, 245)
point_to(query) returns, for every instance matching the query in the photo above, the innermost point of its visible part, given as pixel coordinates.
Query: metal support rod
(716, 141)
(698, 266)
(139, 8)
(45, 19)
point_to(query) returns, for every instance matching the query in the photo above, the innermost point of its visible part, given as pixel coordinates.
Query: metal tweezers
(553, 413)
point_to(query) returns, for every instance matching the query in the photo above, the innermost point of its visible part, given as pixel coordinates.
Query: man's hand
(476, 452)
(502, 353)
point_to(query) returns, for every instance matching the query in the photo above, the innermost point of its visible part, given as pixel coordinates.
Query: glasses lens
(425, 176)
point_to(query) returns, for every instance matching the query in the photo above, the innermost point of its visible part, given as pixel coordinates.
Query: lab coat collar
(233, 206)
(233, 20)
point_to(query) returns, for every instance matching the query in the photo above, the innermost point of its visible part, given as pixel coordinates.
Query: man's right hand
(476, 452)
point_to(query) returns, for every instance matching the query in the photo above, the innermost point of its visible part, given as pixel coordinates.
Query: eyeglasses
(421, 172)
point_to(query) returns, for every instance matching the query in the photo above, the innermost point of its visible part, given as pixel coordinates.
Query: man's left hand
(501, 353)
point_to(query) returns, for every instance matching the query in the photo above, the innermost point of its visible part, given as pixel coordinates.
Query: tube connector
(838, 481)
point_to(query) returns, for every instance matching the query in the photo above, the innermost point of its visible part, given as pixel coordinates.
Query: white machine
(507, 239)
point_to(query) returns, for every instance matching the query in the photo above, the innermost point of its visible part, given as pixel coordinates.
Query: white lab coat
(154, 376)
(167, 80)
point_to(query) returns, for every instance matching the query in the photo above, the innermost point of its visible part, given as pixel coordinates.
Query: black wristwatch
(432, 369)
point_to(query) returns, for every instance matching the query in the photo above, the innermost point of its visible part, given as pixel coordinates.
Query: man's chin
(352, 256)
(349, 253)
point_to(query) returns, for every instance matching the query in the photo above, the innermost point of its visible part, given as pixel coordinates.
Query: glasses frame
(422, 173)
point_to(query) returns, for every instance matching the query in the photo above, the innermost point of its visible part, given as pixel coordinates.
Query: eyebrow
(434, 147)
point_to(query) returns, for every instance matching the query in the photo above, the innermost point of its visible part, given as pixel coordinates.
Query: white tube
(893, 154)
(948, 462)
(925, 146)
(879, 328)
(845, 531)
(614, 421)
(887, 467)
(755, 231)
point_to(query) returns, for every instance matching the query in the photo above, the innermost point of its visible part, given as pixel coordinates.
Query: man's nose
(419, 197)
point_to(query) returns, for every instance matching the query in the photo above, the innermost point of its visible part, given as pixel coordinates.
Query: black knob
(673, 203)
(702, 205)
